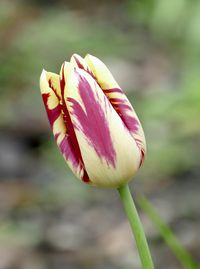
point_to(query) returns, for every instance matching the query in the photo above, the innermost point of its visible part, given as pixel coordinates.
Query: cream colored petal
(118, 100)
(101, 72)
(110, 154)
(51, 93)
(79, 62)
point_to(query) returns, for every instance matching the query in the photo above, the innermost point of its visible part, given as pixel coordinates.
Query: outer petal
(118, 100)
(51, 93)
(110, 154)
(50, 89)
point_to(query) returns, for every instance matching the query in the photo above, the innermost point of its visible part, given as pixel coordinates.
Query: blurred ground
(48, 219)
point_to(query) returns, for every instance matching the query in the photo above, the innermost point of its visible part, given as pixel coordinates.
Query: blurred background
(50, 220)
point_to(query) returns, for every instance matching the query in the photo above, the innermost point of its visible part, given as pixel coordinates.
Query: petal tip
(43, 73)
(74, 56)
(43, 81)
(89, 55)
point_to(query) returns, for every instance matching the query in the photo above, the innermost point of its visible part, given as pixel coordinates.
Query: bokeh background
(50, 220)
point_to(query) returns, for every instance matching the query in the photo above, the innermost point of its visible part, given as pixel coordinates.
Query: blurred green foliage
(36, 37)
(158, 42)
(169, 237)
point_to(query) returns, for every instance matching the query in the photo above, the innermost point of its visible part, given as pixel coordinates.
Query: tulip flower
(97, 131)
(93, 122)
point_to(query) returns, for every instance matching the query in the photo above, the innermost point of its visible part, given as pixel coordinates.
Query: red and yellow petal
(52, 97)
(50, 89)
(110, 154)
(118, 100)
(77, 61)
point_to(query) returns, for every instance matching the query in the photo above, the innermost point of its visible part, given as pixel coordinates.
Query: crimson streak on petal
(123, 109)
(81, 66)
(121, 106)
(52, 114)
(69, 145)
(92, 121)
(113, 90)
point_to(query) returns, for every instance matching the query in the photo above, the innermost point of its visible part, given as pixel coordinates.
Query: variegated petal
(118, 100)
(111, 156)
(62, 130)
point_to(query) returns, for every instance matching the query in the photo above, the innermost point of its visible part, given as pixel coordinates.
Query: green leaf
(179, 251)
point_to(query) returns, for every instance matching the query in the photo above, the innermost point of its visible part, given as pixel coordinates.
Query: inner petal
(106, 145)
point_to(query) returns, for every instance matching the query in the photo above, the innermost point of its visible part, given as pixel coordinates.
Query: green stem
(136, 227)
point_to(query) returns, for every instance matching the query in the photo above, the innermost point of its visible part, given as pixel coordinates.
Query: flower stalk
(136, 227)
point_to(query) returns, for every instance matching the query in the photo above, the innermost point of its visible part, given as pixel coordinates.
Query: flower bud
(93, 122)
